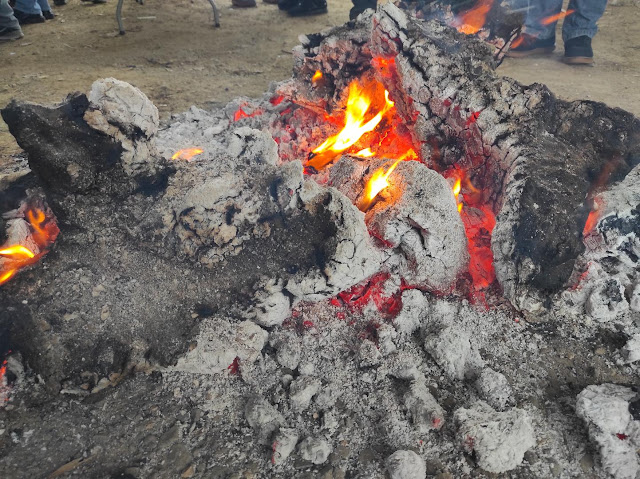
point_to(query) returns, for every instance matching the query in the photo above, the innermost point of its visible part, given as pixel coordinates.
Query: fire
(554, 18)
(362, 103)
(17, 252)
(594, 216)
(316, 76)
(376, 184)
(17, 256)
(471, 21)
(365, 153)
(186, 154)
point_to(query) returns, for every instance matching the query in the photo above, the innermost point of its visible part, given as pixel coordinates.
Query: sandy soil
(172, 52)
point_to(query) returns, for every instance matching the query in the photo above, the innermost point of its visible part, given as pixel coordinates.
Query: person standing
(32, 11)
(578, 28)
(9, 25)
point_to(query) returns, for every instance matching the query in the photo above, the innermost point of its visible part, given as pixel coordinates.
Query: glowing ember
(4, 387)
(471, 21)
(186, 154)
(376, 184)
(366, 153)
(359, 107)
(456, 192)
(592, 219)
(316, 76)
(17, 256)
(554, 18)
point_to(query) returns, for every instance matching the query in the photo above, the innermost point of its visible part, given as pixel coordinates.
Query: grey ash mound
(234, 315)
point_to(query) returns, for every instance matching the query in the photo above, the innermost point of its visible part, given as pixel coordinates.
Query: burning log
(301, 275)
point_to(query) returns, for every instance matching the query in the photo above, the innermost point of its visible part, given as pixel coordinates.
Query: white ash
(451, 348)
(287, 346)
(631, 350)
(426, 414)
(606, 410)
(415, 310)
(499, 439)
(218, 345)
(302, 390)
(263, 418)
(406, 465)
(609, 287)
(314, 449)
(123, 112)
(284, 443)
(494, 388)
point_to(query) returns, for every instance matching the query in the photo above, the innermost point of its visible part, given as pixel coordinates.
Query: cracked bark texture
(535, 158)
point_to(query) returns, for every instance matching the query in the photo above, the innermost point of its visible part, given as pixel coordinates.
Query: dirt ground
(172, 52)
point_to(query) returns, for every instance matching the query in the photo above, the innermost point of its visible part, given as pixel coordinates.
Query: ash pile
(396, 264)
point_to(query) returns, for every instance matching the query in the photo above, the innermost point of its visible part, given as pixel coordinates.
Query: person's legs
(9, 26)
(582, 22)
(44, 5)
(28, 7)
(536, 12)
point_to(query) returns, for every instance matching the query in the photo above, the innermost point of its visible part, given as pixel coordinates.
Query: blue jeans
(7, 18)
(581, 22)
(32, 7)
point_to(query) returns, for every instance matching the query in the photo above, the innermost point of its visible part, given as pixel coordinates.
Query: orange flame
(554, 18)
(376, 184)
(186, 154)
(17, 251)
(471, 21)
(359, 103)
(316, 76)
(594, 216)
(366, 153)
(457, 187)
(18, 256)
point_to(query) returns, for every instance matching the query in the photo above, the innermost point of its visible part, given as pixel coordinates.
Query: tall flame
(18, 256)
(359, 103)
(473, 20)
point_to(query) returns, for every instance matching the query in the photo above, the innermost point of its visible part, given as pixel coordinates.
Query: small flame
(17, 252)
(366, 153)
(473, 20)
(459, 207)
(316, 76)
(355, 124)
(457, 187)
(593, 218)
(554, 18)
(376, 184)
(18, 256)
(186, 154)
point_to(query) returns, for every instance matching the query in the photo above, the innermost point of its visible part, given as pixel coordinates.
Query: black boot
(287, 4)
(28, 18)
(308, 7)
(577, 51)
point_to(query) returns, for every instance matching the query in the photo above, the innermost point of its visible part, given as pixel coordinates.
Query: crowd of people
(538, 35)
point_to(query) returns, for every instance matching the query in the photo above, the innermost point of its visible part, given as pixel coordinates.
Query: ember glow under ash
(473, 20)
(187, 154)
(43, 232)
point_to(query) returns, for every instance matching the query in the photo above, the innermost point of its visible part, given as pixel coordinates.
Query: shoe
(305, 8)
(28, 18)
(48, 14)
(8, 34)
(287, 4)
(244, 3)
(578, 51)
(59, 3)
(527, 45)
(272, 2)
